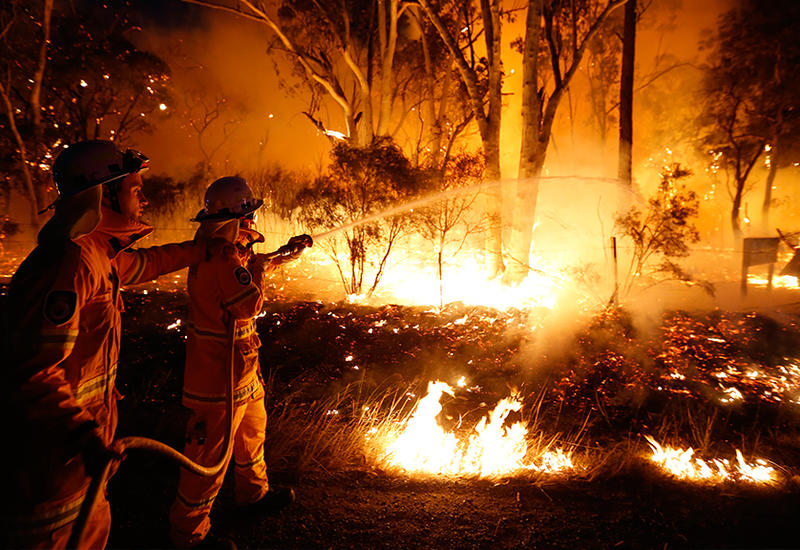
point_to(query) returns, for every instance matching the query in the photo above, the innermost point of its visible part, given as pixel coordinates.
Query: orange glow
(684, 465)
(492, 449)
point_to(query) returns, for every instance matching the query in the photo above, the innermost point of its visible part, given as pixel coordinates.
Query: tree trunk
(538, 115)
(434, 126)
(494, 202)
(743, 168)
(387, 20)
(38, 77)
(736, 209)
(441, 270)
(491, 140)
(765, 207)
(488, 124)
(531, 160)
(626, 95)
(27, 177)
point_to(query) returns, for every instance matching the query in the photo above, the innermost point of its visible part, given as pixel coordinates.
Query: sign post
(759, 251)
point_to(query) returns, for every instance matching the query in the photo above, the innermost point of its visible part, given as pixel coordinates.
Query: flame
(470, 284)
(778, 281)
(684, 465)
(491, 450)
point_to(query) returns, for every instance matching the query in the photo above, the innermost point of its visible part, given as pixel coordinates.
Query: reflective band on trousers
(50, 519)
(239, 396)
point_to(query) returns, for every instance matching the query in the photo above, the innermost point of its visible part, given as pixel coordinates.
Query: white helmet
(228, 198)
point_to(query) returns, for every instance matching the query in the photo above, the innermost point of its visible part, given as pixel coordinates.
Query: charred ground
(612, 386)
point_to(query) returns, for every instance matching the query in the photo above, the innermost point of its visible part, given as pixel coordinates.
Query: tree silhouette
(752, 86)
(91, 82)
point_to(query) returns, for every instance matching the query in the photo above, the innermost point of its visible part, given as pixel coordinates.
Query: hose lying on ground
(98, 482)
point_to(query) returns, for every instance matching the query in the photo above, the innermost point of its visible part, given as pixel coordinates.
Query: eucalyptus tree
(23, 68)
(482, 76)
(84, 79)
(752, 104)
(557, 34)
(343, 52)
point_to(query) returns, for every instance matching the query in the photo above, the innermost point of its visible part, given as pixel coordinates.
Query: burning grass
(347, 384)
(684, 465)
(396, 431)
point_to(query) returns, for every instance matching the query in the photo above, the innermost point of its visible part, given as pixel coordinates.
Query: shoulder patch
(243, 276)
(59, 306)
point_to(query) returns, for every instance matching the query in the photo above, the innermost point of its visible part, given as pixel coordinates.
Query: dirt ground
(363, 510)
(307, 345)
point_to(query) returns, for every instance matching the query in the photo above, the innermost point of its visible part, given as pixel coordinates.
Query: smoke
(229, 112)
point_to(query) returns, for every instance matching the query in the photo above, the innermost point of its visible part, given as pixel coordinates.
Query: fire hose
(134, 442)
(119, 446)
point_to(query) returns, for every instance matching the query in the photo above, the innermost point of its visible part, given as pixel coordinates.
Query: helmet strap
(112, 192)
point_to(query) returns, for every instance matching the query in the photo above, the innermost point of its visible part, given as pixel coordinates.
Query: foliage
(95, 84)
(362, 183)
(662, 232)
(452, 219)
(752, 86)
(101, 86)
(279, 188)
(170, 199)
(603, 69)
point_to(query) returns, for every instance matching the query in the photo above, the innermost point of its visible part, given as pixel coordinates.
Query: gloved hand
(96, 454)
(297, 244)
(257, 264)
(301, 240)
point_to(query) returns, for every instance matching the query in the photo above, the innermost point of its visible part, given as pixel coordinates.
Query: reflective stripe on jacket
(61, 352)
(221, 290)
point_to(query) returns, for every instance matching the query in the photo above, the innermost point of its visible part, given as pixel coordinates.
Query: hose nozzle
(291, 249)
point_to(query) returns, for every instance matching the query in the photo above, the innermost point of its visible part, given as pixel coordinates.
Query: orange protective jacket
(60, 360)
(221, 291)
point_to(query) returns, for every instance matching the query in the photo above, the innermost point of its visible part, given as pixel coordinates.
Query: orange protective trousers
(205, 437)
(95, 534)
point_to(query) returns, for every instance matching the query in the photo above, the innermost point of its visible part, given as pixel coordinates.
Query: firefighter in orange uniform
(61, 342)
(226, 295)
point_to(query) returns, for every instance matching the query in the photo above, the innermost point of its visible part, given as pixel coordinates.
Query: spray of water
(442, 195)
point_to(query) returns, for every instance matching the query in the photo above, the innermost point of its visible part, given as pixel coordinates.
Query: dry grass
(351, 430)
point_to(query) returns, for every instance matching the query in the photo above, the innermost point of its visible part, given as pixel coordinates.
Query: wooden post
(615, 297)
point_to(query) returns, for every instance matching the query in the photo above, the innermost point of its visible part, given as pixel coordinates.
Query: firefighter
(62, 338)
(225, 296)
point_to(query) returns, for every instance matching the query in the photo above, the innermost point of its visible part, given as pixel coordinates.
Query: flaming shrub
(662, 232)
(361, 182)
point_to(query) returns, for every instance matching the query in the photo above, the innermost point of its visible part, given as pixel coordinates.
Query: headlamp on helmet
(229, 198)
(95, 162)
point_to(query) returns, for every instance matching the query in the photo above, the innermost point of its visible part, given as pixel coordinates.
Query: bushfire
(493, 449)
(490, 449)
(684, 465)
(727, 364)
